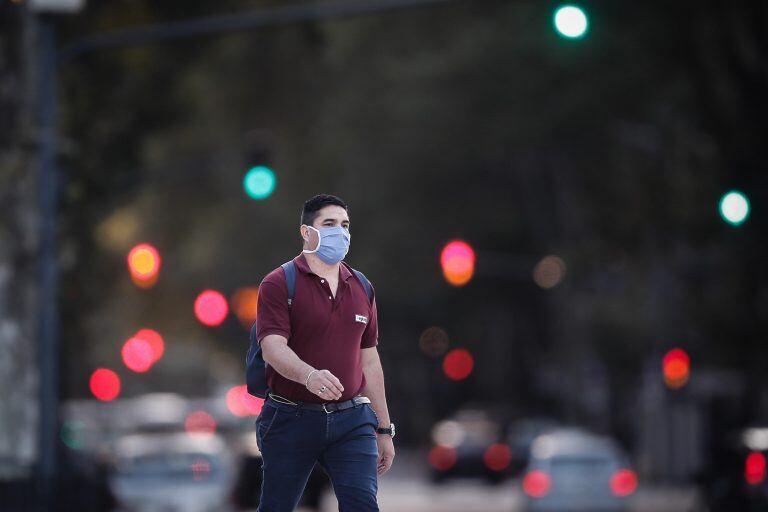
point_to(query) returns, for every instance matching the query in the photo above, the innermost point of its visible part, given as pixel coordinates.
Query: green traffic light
(734, 208)
(259, 182)
(571, 21)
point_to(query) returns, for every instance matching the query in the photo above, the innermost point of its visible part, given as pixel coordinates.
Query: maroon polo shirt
(326, 332)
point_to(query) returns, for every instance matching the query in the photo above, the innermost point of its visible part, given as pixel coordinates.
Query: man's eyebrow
(332, 220)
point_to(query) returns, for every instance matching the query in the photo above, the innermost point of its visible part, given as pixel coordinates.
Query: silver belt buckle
(326, 410)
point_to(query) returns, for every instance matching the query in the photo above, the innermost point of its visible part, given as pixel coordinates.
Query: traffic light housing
(259, 180)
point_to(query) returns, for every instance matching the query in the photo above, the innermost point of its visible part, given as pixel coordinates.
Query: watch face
(392, 427)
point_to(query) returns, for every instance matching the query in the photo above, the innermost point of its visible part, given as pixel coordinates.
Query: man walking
(326, 402)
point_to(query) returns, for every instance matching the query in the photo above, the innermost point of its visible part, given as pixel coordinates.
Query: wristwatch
(390, 430)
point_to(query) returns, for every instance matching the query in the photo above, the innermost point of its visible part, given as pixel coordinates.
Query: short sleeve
(272, 314)
(370, 336)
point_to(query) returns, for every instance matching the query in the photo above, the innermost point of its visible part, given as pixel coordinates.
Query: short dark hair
(313, 205)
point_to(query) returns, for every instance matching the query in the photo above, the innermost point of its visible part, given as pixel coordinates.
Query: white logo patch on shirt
(362, 319)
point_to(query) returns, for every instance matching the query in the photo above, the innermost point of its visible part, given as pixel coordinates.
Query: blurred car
(83, 482)
(172, 472)
(247, 487)
(571, 470)
(754, 454)
(737, 477)
(469, 445)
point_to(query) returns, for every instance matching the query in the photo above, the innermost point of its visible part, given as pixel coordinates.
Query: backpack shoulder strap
(289, 268)
(366, 284)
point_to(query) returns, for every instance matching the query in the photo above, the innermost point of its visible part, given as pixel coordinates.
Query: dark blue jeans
(292, 439)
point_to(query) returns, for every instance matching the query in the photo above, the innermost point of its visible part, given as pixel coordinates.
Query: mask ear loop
(319, 240)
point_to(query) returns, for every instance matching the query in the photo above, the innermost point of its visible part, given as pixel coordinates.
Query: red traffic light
(676, 366)
(458, 364)
(105, 384)
(458, 262)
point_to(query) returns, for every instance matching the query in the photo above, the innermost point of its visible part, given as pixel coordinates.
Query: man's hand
(386, 453)
(325, 385)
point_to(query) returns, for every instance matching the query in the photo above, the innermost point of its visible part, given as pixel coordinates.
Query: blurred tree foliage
(19, 243)
(470, 120)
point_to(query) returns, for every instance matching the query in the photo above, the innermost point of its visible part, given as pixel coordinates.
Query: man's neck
(320, 267)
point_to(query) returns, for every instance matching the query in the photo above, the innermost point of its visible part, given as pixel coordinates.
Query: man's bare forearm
(283, 359)
(374, 389)
(287, 363)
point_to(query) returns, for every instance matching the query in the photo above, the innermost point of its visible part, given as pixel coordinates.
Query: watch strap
(390, 430)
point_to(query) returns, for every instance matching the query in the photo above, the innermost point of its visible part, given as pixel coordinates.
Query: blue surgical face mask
(333, 244)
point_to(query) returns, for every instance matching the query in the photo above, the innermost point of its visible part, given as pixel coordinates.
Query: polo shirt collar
(303, 266)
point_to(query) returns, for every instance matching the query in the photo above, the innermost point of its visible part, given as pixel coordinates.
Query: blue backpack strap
(289, 268)
(366, 284)
(253, 332)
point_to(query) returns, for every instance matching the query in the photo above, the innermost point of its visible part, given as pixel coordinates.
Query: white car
(571, 470)
(174, 472)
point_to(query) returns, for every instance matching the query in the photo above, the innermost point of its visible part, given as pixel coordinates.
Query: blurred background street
(560, 205)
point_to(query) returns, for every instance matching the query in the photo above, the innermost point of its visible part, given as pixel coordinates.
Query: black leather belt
(328, 407)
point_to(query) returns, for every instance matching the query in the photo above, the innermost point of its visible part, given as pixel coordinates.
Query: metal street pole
(48, 355)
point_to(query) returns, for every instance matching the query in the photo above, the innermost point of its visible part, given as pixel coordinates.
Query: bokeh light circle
(458, 364)
(137, 355)
(734, 208)
(549, 272)
(571, 21)
(755, 468)
(105, 384)
(442, 457)
(259, 182)
(144, 263)
(433, 341)
(245, 304)
(536, 483)
(72, 434)
(457, 260)
(155, 341)
(241, 403)
(497, 457)
(211, 308)
(623, 483)
(676, 367)
(200, 423)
